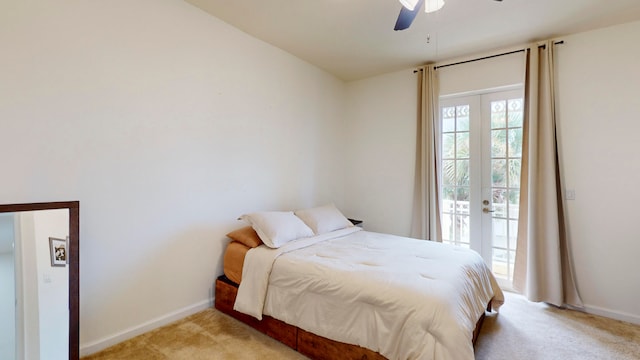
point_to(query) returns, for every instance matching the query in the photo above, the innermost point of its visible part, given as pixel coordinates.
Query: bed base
(311, 345)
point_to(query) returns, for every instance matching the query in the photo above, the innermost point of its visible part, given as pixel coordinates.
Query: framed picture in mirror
(58, 250)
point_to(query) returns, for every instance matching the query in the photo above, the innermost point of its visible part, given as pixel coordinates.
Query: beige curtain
(426, 200)
(542, 268)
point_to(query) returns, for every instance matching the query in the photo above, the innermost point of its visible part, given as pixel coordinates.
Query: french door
(481, 152)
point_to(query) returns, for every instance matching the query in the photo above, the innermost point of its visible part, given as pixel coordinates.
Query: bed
(333, 290)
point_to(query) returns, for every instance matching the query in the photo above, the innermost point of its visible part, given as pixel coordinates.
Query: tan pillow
(234, 261)
(247, 236)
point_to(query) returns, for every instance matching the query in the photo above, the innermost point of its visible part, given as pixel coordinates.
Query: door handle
(486, 210)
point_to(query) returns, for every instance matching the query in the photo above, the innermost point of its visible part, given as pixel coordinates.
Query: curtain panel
(542, 268)
(426, 201)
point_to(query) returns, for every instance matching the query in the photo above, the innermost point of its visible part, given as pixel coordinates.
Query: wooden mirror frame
(74, 263)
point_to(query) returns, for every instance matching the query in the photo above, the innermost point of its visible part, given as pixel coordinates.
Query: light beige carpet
(522, 330)
(526, 330)
(208, 334)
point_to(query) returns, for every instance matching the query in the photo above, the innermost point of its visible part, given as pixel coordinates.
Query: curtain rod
(478, 59)
(489, 57)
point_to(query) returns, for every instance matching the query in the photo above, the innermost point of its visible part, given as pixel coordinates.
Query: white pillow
(324, 219)
(276, 228)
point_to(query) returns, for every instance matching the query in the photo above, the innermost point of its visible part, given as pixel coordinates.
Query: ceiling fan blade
(406, 16)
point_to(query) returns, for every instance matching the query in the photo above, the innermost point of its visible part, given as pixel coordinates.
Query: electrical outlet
(570, 194)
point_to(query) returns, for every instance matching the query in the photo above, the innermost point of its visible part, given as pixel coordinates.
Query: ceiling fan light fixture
(409, 4)
(433, 5)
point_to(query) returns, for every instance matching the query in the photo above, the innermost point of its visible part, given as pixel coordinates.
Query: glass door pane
(455, 175)
(505, 155)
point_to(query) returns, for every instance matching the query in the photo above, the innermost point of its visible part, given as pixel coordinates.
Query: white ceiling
(354, 39)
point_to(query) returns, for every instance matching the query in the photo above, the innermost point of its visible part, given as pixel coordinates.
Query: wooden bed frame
(309, 344)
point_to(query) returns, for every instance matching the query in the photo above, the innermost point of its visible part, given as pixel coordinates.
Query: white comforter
(401, 297)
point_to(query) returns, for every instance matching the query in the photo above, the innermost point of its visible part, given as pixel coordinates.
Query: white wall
(53, 285)
(379, 179)
(43, 294)
(28, 305)
(599, 83)
(166, 124)
(496, 72)
(599, 87)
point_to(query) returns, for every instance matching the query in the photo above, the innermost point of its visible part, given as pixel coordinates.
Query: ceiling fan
(410, 9)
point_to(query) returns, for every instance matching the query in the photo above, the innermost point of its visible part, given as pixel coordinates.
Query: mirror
(39, 273)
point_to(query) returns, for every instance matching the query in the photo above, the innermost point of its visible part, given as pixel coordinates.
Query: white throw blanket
(257, 267)
(401, 297)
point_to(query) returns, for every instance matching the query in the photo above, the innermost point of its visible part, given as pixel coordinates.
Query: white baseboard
(93, 347)
(617, 315)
